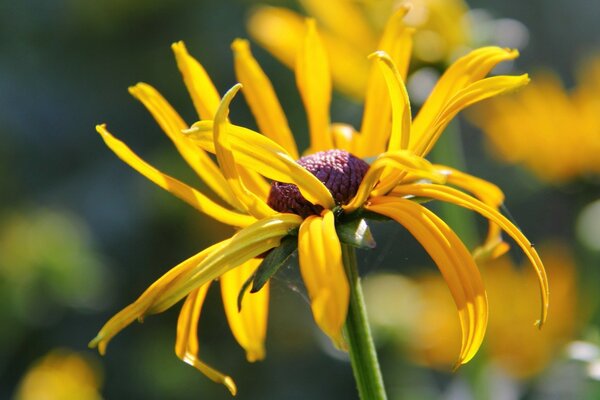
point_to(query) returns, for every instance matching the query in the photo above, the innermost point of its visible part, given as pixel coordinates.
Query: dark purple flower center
(340, 172)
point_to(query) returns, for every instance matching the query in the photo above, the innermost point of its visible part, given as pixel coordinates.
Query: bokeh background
(81, 234)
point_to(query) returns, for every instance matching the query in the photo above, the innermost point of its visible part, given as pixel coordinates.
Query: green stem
(360, 342)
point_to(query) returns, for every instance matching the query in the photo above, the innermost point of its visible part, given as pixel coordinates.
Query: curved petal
(172, 185)
(313, 78)
(491, 195)
(466, 70)
(375, 128)
(198, 270)
(172, 124)
(454, 262)
(258, 153)
(404, 161)
(459, 198)
(255, 205)
(248, 324)
(186, 345)
(470, 95)
(261, 98)
(320, 256)
(204, 95)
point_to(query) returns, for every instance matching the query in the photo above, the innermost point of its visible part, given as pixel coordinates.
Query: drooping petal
(404, 161)
(186, 345)
(172, 124)
(248, 324)
(375, 129)
(261, 98)
(454, 262)
(313, 78)
(198, 270)
(204, 95)
(320, 257)
(454, 196)
(491, 195)
(472, 94)
(255, 205)
(172, 185)
(258, 153)
(466, 70)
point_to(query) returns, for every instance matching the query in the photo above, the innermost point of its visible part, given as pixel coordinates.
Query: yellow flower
(354, 29)
(432, 335)
(61, 374)
(552, 132)
(304, 202)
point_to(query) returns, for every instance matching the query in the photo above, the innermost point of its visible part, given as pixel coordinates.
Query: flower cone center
(340, 172)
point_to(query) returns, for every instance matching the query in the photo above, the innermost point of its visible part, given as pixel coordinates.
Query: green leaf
(356, 233)
(243, 291)
(273, 261)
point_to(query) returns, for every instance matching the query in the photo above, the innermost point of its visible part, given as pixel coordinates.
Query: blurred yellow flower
(512, 342)
(553, 132)
(354, 29)
(61, 375)
(305, 202)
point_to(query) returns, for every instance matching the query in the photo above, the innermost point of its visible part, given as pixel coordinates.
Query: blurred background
(82, 235)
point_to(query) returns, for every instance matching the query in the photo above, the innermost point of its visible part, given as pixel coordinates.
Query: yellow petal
(253, 204)
(177, 188)
(466, 70)
(261, 98)
(404, 161)
(454, 262)
(344, 136)
(139, 308)
(401, 116)
(258, 153)
(337, 15)
(198, 270)
(491, 195)
(459, 198)
(249, 324)
(320, 256)
(472, 94)
(246, 244)
(375, 129)
(313, 78)
(204, 95)
(172, 124)
(186, 345)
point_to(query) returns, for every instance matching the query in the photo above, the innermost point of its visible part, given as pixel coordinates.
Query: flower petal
(375, 129)
(404, 161)
(261, 98)
(313, 78)
(491, 195)
(401, 116)
(255, 205)
(198, 270)
(186, 345)
(320, 256)
(472, 94)
(248, 324)
(172, 124)
(172, 185)
(258, 153)
(454, 262)
(204, 95)
(454, 196)
(466, 70)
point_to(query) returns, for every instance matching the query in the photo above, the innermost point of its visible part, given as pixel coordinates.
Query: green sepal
(356, 233)
(243, 291)
(273, 261)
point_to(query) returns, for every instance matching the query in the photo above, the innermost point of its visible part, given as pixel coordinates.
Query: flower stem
(360, 342)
